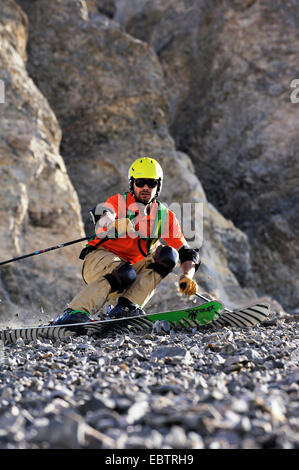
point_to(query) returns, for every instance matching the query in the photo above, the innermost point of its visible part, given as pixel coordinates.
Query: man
(126, 260)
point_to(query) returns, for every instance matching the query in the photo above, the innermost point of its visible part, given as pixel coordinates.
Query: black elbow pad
(189, 254)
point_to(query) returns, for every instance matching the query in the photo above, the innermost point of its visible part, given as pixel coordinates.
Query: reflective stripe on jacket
(161, 222)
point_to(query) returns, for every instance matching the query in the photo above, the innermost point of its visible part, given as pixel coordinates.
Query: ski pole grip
(183, 285)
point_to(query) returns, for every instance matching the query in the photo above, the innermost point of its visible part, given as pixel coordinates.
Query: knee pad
(121, 277)
(166, 259)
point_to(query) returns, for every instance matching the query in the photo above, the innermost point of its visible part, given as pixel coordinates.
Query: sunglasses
(141, 182)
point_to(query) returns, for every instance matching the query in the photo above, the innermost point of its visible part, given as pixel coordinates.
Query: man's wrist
(188, 269)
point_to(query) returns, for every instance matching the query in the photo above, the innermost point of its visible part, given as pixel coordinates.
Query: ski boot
(71, 316)
(124, 309)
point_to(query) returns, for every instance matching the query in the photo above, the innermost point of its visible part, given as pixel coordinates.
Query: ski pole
(183, 285)
(206, 299)
(46, 250)
(200, 296)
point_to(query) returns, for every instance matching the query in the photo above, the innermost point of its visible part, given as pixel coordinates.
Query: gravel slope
(230, 388)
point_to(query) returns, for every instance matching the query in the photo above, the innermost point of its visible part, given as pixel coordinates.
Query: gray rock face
(228, 69)
(39, 207)
(115, 99)
(108, 92)
(106, 89)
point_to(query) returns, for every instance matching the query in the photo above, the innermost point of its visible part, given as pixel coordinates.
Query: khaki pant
(100, 262)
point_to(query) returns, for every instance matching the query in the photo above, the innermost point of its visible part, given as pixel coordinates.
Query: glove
(106, 219)
(122, 226)
(187, 285)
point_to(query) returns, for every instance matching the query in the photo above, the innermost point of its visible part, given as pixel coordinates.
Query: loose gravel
(225, 389)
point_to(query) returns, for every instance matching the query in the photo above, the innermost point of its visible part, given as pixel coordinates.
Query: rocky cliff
(39, 206)
(228, 67)
(90, 86)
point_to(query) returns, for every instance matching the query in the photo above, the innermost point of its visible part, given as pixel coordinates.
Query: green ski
(189, 317)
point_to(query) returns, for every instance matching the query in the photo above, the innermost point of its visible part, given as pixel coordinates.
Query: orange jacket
(135, 248)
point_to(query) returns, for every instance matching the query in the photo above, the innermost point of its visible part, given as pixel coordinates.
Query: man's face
(143, 190)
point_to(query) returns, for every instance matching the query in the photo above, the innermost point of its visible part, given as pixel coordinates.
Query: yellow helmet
(145, 168)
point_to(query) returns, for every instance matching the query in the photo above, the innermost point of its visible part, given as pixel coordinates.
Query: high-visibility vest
(157, 230)
(155, 235)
